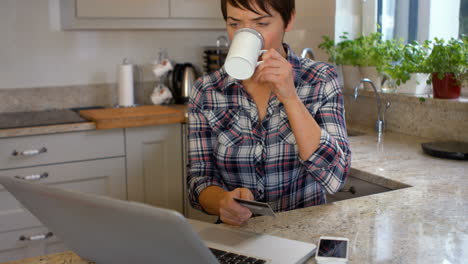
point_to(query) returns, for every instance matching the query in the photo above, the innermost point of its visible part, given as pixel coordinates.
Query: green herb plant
(406, 60)
(448, 57)
(343, 53)
(364, 51)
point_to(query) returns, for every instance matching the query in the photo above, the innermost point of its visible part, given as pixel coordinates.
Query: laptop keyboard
(233, 258)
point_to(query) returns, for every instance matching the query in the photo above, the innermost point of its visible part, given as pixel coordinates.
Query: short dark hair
(286, 8)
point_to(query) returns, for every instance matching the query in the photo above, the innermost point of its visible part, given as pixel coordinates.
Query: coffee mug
(242, 58)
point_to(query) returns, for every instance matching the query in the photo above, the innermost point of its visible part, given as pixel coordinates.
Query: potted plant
(407, 69)
(373, 55)
(447, 63)
(344, 55)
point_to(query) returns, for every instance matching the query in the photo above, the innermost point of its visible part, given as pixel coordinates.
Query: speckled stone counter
(60, 258)
(425, 223)
(52, 129)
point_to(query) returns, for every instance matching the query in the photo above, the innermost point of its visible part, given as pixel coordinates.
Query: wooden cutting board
(134, 116)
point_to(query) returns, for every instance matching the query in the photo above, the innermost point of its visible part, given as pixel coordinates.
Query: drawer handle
(36, 237)
(31, 152)
(33, 177)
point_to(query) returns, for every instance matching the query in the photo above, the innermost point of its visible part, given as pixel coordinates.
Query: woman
(278, 137)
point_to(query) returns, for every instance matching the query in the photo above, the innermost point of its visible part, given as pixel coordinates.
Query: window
(422, 19)
(464, 18)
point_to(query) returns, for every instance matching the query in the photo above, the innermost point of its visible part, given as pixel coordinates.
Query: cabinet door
(104, 177)
(139, 14)
(122, 8)
(17, 152)
(12, 248)
(154, 165)
(195, 9)
(189, 211)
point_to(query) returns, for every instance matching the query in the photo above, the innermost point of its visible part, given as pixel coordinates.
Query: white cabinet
(196, 9)
(122, 8)
(90, 161)
(189, 211)
(154, 165)
(140, 14)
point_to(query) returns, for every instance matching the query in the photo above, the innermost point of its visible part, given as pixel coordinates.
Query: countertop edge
(41, 130)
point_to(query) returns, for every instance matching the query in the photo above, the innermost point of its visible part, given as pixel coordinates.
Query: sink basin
(361, 183)
(353, 133)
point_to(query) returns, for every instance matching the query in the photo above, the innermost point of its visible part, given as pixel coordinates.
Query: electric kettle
(183, 79)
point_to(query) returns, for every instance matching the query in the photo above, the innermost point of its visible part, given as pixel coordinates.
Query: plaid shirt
(230, 148)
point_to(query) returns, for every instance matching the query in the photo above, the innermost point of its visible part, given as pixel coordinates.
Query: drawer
(103, 177)
(12, 248)
(27, 151)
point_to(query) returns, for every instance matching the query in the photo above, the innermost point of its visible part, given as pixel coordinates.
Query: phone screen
(333, 248)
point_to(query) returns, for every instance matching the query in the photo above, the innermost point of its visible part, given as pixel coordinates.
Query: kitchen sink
(353, 133)
(361, 183)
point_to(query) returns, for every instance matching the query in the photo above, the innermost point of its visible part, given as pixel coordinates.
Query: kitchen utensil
(183, 79)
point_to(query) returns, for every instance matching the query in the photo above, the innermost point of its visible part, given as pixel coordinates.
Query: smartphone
(332, 250)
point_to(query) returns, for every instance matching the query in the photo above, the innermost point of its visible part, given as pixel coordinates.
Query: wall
(432, 118)
(35, 53)
(314, 18)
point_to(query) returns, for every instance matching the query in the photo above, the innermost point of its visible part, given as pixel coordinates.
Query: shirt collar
(292, 58)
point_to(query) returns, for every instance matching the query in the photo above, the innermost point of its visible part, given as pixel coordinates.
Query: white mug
(242, 58)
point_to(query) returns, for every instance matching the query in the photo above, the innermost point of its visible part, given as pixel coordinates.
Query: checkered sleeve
(330, 163)
(201, 168)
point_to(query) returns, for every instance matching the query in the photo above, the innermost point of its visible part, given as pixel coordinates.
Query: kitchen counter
(425, 223)
(52, 129)
(146, 118)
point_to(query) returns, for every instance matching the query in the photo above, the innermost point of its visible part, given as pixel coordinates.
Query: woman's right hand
(231, 212)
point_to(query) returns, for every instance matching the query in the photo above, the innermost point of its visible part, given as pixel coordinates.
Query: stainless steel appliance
(183, 79)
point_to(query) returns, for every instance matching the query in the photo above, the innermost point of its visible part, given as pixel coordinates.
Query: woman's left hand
(278, 73)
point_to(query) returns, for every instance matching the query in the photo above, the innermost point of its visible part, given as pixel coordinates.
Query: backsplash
(430, 118)
(62, 97)
(35, 53)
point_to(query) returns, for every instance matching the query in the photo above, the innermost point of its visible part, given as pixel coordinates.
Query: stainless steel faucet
(308, 52)
(380, 125)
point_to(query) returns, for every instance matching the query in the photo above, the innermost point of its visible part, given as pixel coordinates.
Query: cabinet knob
(36, 237)
(33, 177)
(30, 152)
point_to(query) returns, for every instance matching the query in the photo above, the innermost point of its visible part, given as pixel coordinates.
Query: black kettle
(183, 78)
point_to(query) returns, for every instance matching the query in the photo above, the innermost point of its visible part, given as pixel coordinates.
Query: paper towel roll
(125, 84)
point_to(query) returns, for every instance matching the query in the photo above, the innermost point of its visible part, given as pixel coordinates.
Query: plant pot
(416, 85)
(447, 88)
(351, 76)
(339, 71)
(464, 89)
(372, 74)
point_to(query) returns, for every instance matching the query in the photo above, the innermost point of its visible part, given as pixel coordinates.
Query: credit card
(257, 208)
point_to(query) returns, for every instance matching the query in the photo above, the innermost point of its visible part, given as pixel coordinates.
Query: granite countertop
(425, 223)
(55, 128)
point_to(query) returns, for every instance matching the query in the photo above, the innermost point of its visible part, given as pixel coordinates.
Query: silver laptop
(111, 231)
